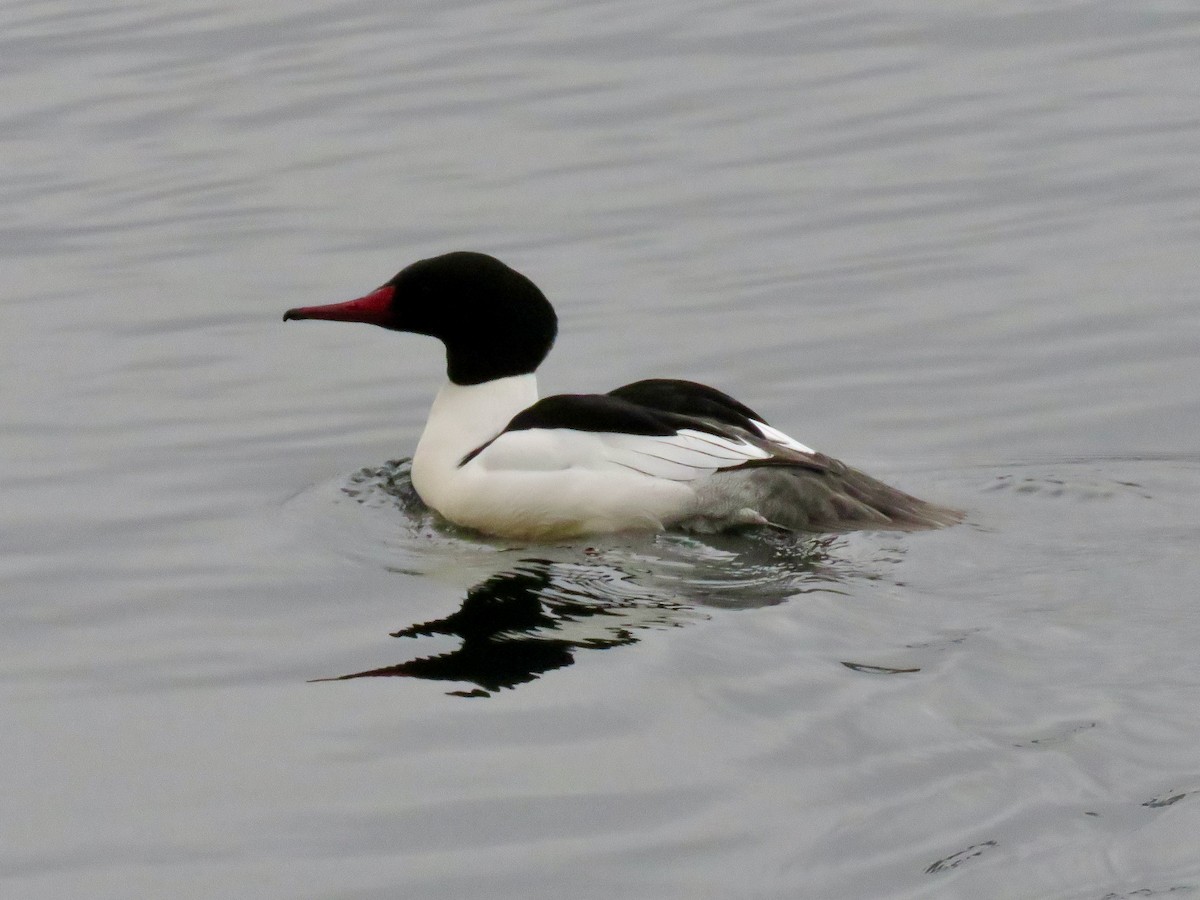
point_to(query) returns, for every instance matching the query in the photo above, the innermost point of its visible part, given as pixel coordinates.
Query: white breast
(463, 418)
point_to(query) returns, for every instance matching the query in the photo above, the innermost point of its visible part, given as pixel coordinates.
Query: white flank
(552, 483)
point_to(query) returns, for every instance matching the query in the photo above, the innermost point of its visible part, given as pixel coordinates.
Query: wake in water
(529, 609)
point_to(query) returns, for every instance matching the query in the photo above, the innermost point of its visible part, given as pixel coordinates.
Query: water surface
(953, 246)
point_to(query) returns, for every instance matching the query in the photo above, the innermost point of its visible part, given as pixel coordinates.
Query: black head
(493, 320)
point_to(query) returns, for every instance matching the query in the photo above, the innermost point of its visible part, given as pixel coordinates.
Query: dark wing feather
(606, 413)
(689, 398)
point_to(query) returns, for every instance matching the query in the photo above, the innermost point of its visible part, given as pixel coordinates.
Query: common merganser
(651, 455)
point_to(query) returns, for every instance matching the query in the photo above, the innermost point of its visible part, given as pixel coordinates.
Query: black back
(688, 398)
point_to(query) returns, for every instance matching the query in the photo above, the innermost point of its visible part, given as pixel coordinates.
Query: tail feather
(839, 499)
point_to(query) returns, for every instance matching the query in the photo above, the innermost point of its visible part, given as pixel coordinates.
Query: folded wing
(605, 431)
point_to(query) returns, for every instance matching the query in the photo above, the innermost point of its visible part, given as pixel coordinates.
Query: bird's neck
(465, 416)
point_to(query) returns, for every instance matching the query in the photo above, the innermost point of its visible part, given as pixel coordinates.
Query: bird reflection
(518, 624)
(521, 623)
(533, 617)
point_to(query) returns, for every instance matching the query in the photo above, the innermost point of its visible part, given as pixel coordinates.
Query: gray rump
(827, 496)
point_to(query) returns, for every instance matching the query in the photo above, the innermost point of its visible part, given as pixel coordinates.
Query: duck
(658, 454)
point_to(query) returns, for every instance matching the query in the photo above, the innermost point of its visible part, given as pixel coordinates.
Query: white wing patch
(684, 456)
(776, 436)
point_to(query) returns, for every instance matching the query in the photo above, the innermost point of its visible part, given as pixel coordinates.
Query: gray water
(951, 244)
